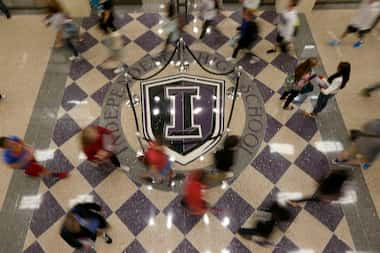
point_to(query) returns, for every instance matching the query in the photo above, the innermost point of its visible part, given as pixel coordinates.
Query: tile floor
(145, 220)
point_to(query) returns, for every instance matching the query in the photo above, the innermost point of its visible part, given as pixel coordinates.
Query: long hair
(344, 70)
(305, 68)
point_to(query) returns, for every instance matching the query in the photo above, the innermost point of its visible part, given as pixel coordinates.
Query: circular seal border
(251, 137)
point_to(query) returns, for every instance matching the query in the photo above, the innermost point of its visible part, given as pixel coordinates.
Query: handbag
(307, 88)
(289, 82)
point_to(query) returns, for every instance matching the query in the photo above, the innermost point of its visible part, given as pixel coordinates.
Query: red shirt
(104, 135)
(154, 156)
(193, 196)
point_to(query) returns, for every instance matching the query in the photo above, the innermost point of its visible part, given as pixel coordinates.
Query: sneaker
(118, 70)
(125, 168)
(338, 162)
(231, 59)
(358, 44)
(2, 96)
(365, 166)
(333, 43)
(107, 238)
(229, 174)
(74, 58)
(271, 51)
(62, 175)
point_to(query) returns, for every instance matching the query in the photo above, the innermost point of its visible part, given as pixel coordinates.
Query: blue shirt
(9, 157)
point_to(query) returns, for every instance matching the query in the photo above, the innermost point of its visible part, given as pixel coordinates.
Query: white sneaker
(229, 174)
(230, 59)
(125, 168)
(118, 70)
(74, 58)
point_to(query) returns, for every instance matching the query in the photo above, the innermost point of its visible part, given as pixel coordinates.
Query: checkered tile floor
(145, 220)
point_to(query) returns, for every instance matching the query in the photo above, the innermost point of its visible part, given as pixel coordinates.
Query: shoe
(365, 93)
(358, 44)
(333, 43)
(338, 162)
(230, 59)
(62, 175)
(271, 51)
(229, 174)
(2, 96)
(74, 58)
(365, 166)
(118, 70)
(107, 238)
(125, 168)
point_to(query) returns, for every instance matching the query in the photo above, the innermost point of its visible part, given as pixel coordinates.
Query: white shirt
(209, 11)
(333, 87)
(287, 22)
(366, 15)
(251, 4)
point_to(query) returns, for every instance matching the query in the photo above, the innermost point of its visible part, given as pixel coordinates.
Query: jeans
(70, 45)
(321, 103)
(290, 96)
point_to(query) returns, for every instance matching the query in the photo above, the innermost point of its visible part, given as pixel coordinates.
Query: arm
(335, 85)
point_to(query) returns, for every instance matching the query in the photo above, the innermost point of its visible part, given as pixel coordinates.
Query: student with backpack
(331, 87)
(299, 82)
(287, 23)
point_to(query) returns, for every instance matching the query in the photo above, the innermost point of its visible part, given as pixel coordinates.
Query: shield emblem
(187, 110)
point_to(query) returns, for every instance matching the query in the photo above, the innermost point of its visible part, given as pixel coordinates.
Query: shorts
(354, 29)
(165, 171)
(34, 169)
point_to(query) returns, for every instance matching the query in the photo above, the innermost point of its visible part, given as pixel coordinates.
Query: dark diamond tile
(271, 37)
(234, 207)
(99, 95)
(126, 40)
(285, 63)
(136, 211)
(108, 73)
(185, 247)
(135, 247)
(236, 16)
(237, 247)
(121, 20)
(273, 126)
(218, 19)
(98, 200)
(269, 16)
(95, 174)
(328, 214)
(87, 42)
(149, 19)
(302, 125)
(58, 164)
(148, 41)
(188, 38)
(265, 91)
(46, 215)
(313, 162)
(335, 245)
(79, 68)
(73, 94)
(271, 165)
(255, 68)
(215, 39)
(285, 246)
(91, 21)
(182, 217)
(64, 129)
(34, 248)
